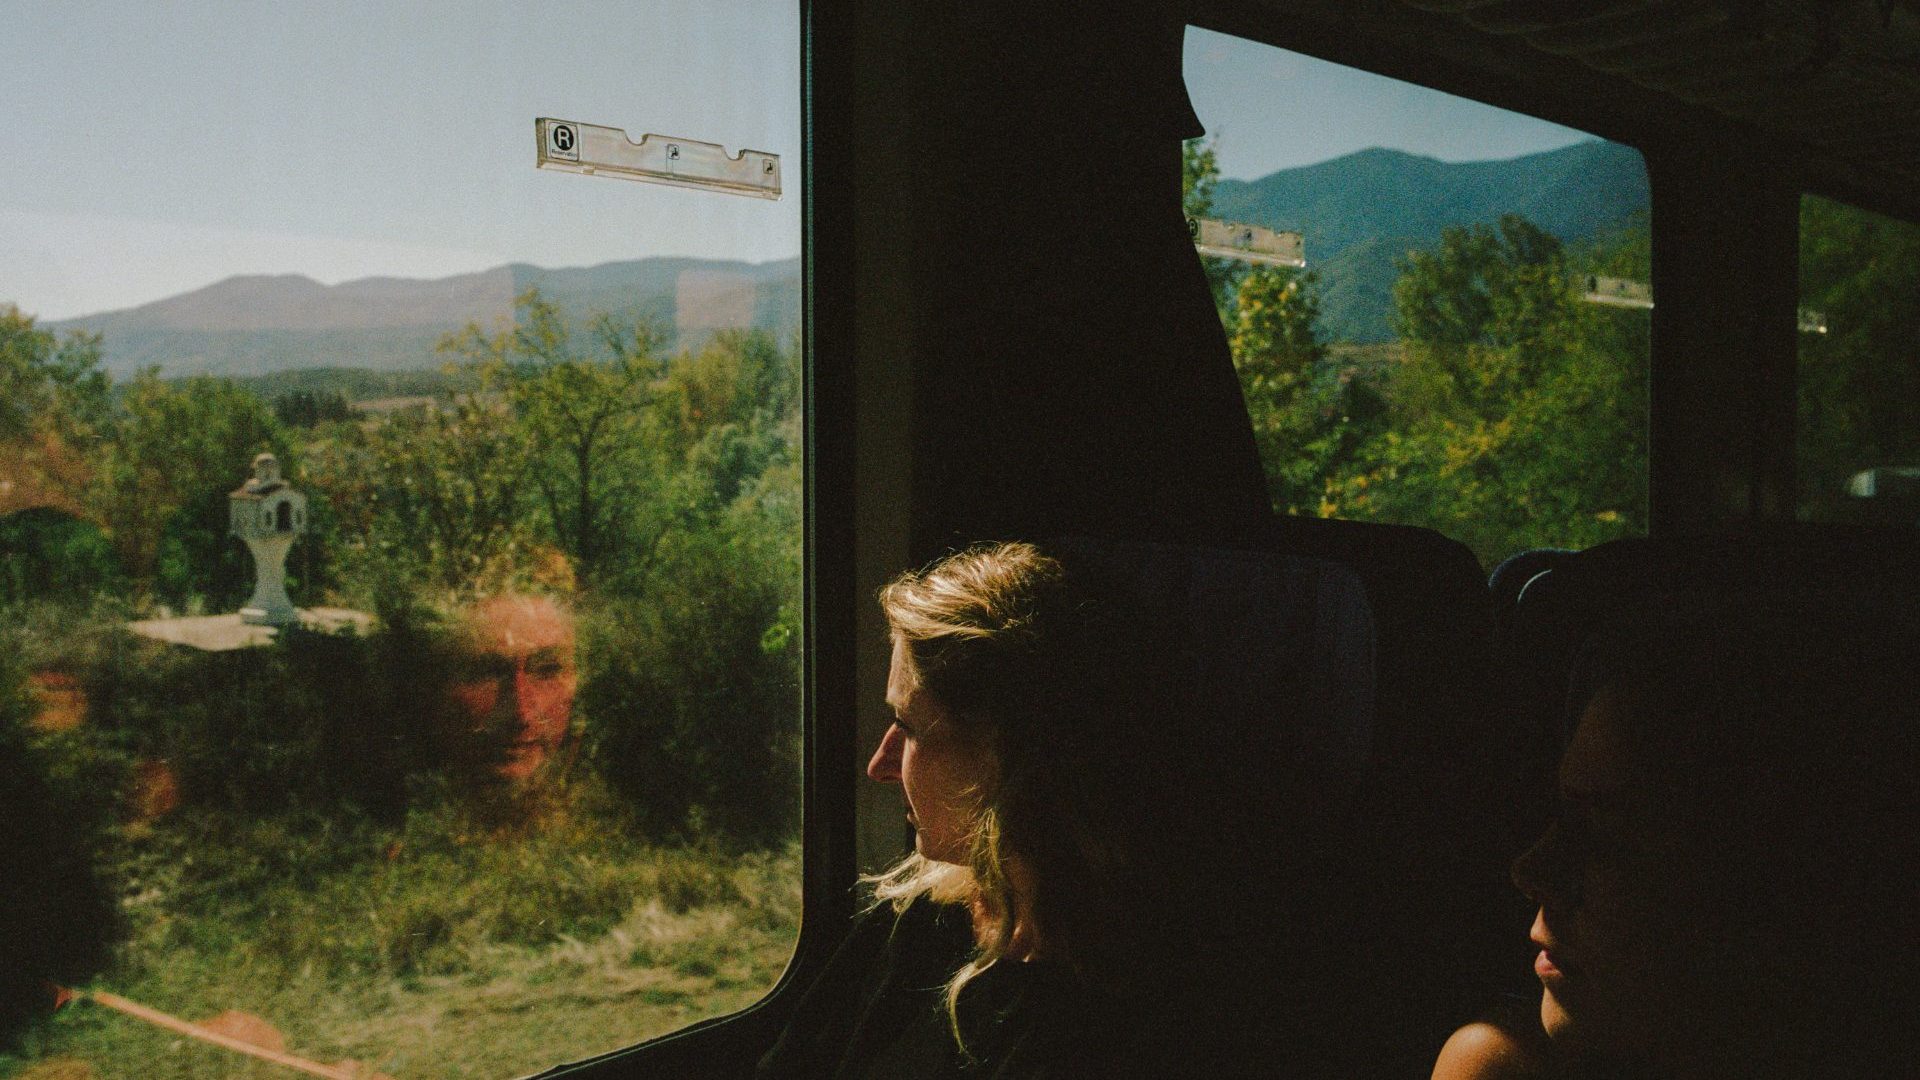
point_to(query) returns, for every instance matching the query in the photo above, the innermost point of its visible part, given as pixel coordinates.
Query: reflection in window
(1449, 357)
(1858, 436)
(399, 545)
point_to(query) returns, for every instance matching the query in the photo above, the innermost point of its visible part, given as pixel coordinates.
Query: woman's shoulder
(885, 958)
(1487, 1050)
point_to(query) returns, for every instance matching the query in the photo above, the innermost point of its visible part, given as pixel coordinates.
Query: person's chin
(1574, 1030)
(1553, 1017)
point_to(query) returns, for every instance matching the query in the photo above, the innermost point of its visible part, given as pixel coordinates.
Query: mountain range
(262, 324)
(1359, 214)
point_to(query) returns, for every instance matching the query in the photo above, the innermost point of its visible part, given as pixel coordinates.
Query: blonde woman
(1059, 915)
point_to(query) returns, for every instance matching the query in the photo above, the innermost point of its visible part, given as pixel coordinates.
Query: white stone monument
(268, 514)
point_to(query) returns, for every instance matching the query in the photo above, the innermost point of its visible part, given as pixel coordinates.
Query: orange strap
(239, 1046)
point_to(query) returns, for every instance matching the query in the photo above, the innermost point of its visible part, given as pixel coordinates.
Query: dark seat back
(1425, 907)
(1836, 566)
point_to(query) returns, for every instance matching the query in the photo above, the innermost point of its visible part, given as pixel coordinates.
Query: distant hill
(259, 325)
(1360, 212)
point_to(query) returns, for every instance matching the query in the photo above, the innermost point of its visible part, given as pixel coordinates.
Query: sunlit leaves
(1860, 381)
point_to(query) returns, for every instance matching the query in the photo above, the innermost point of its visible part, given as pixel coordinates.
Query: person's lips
(1545, 967)
(1552, 961)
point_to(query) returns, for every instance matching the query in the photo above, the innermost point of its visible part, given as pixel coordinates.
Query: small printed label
(563, 141)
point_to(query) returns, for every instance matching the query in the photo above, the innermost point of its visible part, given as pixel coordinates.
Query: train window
(1857, 444)
(400, 544)
(1466, 346)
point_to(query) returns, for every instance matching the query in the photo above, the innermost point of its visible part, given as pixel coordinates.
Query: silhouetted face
(521, 676)
(1626, 907)
(939, 768)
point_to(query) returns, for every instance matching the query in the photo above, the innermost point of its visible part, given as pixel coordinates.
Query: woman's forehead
(1596, 761)
(519, 625)
(901, 678)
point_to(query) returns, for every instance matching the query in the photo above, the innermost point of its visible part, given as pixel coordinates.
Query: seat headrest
(1273, 655)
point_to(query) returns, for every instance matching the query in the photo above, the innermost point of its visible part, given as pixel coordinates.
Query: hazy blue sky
(1271, 109)
(155, 148)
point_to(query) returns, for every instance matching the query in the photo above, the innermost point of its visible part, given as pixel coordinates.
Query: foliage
(337, 725)
(306, 408)
(1519, 411)
(49, 384)
(49, 555)
(438, 946)
(1859, 381)
(691, 703)
(53, 403)
(359, 385)
(692, 710)
(1199, 173)
(175, 453)
(436, 492)
(582, 408)
(1310, 418)
(61, 918)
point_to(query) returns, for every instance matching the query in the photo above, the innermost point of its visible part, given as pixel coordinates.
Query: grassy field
(461, 944)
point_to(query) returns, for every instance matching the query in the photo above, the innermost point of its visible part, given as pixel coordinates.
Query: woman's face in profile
(939, 768)
(1625, 967)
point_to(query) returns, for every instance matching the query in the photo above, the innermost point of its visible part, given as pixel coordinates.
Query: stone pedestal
(270, 605)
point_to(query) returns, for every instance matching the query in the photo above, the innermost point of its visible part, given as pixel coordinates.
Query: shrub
(61, 920)
(690, 697)
(311, 722)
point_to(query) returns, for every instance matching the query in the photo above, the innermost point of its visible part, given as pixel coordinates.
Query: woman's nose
(1543, 872)
(885, 764)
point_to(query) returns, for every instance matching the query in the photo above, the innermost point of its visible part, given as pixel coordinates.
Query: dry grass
(446, 949)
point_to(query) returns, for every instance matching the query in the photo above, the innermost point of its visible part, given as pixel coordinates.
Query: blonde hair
(974, 627)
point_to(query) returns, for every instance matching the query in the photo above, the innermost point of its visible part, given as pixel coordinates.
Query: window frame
(727, 1045)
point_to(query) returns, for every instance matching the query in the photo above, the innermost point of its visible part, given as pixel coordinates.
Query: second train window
(1465, 347)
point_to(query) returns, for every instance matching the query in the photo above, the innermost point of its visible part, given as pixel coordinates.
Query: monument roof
(254, 489)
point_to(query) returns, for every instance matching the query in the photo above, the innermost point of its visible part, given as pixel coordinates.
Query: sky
(153, 149)
(1270, 109)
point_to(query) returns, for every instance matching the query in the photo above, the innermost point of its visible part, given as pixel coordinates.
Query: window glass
(1466, 346)
(399, 543)
(1858, 437)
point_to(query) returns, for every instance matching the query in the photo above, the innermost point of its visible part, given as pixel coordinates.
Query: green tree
(53, 404)
(1859, 381)
(174, 453)
(692, 704)
(1518, 411)
(1481, 314)
(47, 554)
(448, 485)
(691, 647)
(1310, 419)
(1199, 173)
(49, 384)
(305, 408)
(583, 408)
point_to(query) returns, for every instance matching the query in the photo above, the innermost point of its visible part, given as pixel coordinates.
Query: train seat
(1261, 666)
(1837, 567)
(1509, 581)
(1843, 564)
(1428, 909)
